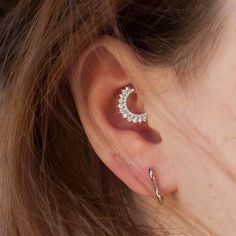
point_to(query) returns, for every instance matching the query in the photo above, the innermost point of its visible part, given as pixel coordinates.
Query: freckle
(210, 185)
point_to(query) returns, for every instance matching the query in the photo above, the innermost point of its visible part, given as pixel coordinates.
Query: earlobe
(129, 149)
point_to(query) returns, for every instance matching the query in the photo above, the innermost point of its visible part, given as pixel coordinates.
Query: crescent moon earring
(124, 110)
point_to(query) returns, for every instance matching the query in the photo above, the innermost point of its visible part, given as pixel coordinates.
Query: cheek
(211, 111)
(214, 103)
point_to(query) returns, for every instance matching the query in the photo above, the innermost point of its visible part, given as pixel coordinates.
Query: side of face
(194, 158)
(198, 130)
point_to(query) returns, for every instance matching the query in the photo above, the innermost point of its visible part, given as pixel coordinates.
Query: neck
(175, 218)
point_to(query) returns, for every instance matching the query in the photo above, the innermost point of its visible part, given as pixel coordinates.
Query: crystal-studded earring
(124, 110)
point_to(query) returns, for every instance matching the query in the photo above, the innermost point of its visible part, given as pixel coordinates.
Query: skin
(189, 139)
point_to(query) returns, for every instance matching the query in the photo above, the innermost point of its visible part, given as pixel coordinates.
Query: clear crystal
(129, 118)
(140, 119)
(144, 115)
(135, 119)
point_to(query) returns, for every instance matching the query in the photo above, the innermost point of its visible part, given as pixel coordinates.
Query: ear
(128, 149)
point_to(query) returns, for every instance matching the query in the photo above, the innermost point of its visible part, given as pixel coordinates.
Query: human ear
(128, 149)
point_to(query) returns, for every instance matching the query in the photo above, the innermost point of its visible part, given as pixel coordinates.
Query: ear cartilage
(124, 110)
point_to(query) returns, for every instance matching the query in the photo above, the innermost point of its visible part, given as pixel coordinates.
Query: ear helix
(124, 110)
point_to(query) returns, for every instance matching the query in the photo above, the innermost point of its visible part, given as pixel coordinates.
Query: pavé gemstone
(126, 113)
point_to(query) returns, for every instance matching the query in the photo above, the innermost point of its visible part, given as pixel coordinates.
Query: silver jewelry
(154, 182)
(126, 113)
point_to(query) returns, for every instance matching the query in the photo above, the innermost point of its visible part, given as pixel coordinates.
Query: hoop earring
(126, 113)
(154, 182)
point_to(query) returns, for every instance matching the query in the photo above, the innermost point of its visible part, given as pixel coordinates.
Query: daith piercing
(124, 110)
